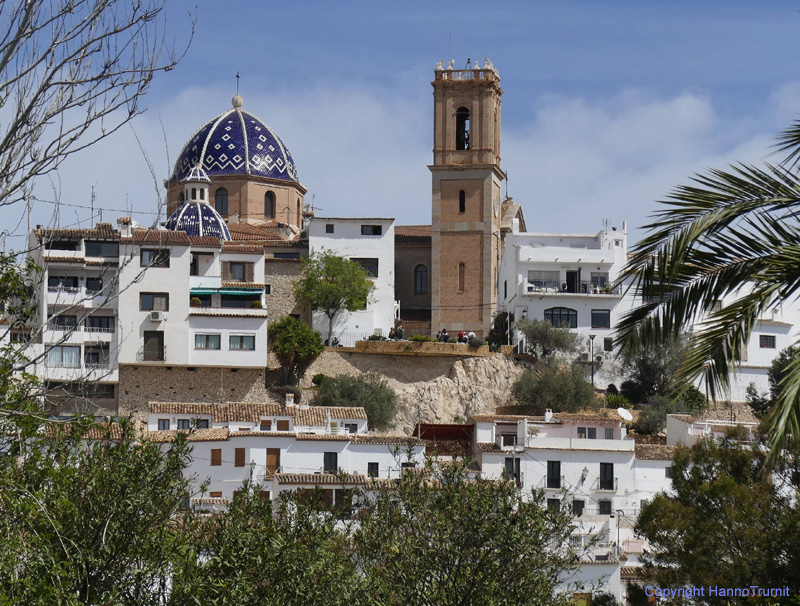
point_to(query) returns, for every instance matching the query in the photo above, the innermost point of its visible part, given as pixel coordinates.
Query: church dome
(236, 143)
(198, 219)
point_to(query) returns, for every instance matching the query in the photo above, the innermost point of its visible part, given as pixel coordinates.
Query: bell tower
(466, 188)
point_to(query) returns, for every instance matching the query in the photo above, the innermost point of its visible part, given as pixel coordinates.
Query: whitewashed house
(369, 242)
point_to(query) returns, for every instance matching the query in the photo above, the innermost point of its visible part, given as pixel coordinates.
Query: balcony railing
(68, 289)
(80, 328)
(562, 288)
(605, 486)
(269, 472)
(98, 328)
(152, 354)
(552, 483)
(103, 364)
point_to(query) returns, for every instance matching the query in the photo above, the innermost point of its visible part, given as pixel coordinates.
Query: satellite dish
(625, 414)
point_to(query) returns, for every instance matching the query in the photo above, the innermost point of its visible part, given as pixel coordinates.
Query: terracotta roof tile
(158, 236)
(493, 418)
(324, 437)
(318, 415)
(247, 232)
(205, 241)
(488, 447)
(243, 285)
(251, 313)
(236, 248)
(353, 218)
(654, 452)
(774, 323)
(320, 479)
(233, 412)
(100, 231)
(413, 231)
(218, 412)
(388, 440)
(210, 501)
(215, 434)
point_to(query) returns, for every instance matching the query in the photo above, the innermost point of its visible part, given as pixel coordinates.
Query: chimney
(548, 415)
(289, 399)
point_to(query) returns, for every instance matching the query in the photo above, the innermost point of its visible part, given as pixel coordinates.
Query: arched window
(194, 193)
(420, 280)
(202, 193)
(462, 201)
(269, 205)
(462, 276)
(299, 217)
(462, 128)
(562, 317)
(181, 197)
(221, 201)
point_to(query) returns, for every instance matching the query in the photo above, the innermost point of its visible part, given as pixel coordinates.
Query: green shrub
(476, 343)
(563, 389)
(370, 391)
(420, 339)
(256, 305)
(376, 338)
(616, 400)
(318, 378)
(195, 302)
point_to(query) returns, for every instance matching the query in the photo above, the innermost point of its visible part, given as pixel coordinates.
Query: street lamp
(591, 349)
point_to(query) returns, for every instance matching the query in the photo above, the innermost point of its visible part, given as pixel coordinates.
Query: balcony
(79, 295)
(581, 288)
(152, 353)
(269, 472)
(626, 445)
(605, 485)
(552, 483)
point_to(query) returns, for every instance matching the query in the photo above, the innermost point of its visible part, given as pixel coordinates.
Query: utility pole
(591, 354)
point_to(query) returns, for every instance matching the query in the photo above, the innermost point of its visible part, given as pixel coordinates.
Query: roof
(234, 247)
(258, 312)
(488, 447)
(318, 415)
(246, 231)
(210, 501)
(100, 231)
(214, 434)
(198, 218)
(494, 418)
(413, 233)
(320, 479)
(352, 218)
(252, 413)
(217, 412)
(159, 236)
(236, 143)
(774, 323)
(654, 452)
(52, 259)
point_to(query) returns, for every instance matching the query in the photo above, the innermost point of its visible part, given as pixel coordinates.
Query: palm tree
(732, 234)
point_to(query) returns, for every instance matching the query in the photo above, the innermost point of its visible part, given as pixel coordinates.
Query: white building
(369, 242)
(283, 448)
(567, 279)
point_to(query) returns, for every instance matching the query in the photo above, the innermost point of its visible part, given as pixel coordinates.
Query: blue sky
(607, 105)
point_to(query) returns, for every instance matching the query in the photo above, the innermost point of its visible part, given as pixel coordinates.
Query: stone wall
(280, 275)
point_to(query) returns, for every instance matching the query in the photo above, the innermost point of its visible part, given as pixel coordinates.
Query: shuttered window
(239, 457)
(216, 457)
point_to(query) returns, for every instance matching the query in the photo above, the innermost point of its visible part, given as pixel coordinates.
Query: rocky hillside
(439, 389)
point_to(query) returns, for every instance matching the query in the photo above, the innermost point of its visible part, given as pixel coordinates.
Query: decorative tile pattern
(236, 143)
(198, 219)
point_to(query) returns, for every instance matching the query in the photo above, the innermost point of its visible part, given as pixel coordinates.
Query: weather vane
(237, 83)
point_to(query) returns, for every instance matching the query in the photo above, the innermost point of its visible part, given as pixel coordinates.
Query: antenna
(92, 216)
(237, 82)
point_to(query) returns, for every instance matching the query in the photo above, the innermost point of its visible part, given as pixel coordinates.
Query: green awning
(243, 291)
(203, 291)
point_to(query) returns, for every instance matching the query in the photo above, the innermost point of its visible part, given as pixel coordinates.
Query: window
(509, 439)
(330, 462)
(766, 341)
(371, 230)
(283, 425)
(577, 508)
(154, 258)
(242, 342)
(205, 300)
(505, 289)
(668, 472)
(601, 318)
(420, 280)
(67, 283)
(604, 507)
(599, 279)
(19, 337)
(221, 201)
(240, 301)
(609, 433)
(237, 272)
(154, 301)
(562, 317)
(592, 431)
(267, 289)
(184, 424)
(215, 494)
(606, 476)
(202, 193)
(201, 423)
(329, 228)
(206, 342)
(543, 279)
(372, 470)
(216, 457)
(462, 201)
(163, 424)
(554, 474)
(512, 468)
(351, 427)
(95, 356)
(64, 356)
(62, 245)
(462, 129)
(269, 205)
(265, 425)
(581, 433)
(369, 265)
(285, 255)
(553, 504)
(194, 193)
(576, 540)
(63, 322)
(608, 344)
(462, 276)
(94, 285)
(238, 457)
(102, 249)
(181, 197)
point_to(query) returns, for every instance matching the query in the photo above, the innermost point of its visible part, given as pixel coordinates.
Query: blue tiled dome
(236, 143)
(198, 219)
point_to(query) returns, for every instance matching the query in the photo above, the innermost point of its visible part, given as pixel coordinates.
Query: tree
(72, 73)
(87, 515)
(543, 339)
(560, 388)
(443, 537)
(726, 503)
(370, 391)
(653, 416)
(296, 346)
(265, 552)
(650, 368)
(730, 236)
(331, 284)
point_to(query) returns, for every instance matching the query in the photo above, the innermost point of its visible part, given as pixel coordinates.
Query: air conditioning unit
(531, 288)
(584, 357)
(157, 316)
(598, 359)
